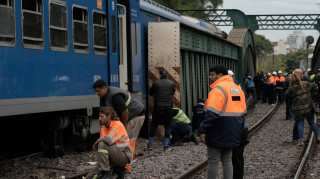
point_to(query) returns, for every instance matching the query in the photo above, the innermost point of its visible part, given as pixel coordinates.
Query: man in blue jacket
(222, 127)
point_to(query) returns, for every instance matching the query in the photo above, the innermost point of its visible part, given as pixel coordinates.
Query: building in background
(280, 47)
(296, 40)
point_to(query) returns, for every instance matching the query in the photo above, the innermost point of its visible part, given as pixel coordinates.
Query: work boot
(106, 175)
(300, 143)
(318, 139)
(166, 149)
(119, 171)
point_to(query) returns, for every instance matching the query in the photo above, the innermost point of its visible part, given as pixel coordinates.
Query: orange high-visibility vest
(272, 80)
(281, 78)
(116, 134)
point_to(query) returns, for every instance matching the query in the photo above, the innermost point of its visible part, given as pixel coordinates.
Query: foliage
(273, 63)
(191, 4)
(293, 58)
(263, 46)
(286, 63)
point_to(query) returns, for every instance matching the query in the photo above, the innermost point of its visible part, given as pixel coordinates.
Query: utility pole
(309, 41)
(273, 62)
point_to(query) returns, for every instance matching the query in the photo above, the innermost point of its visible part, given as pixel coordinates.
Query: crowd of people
(219, 121)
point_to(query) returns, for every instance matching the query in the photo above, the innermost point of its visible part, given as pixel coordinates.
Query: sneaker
(194, 140)
(149, 148)
(166, 149)
(300, 144)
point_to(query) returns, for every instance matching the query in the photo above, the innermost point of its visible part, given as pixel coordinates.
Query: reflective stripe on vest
(129, 100)
(117, 135)
(181, 117)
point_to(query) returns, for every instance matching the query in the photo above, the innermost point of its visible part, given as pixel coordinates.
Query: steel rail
(265, 118)
(200, 166)
(306, 154)
(19, 161)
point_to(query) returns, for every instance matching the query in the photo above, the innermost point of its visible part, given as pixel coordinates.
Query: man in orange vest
(113, 147)
(223, 125)
(272, 96)
(280, 79)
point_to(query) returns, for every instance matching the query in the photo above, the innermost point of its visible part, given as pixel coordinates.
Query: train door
(123, 61)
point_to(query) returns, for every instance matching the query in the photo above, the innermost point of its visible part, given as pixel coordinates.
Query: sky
(268, 7)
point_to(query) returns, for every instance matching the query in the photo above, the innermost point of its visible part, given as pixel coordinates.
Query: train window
(7, 23)
(100, 33)
(80, 30)
(58, 26)
(113, 33)
(32, 24)
(134, 38)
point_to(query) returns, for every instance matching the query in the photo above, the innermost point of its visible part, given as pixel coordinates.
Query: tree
(262, 45)
(191, 4)
(294, 58)
(273, 63)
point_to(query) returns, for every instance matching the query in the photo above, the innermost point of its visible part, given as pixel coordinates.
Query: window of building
(80, 30)
(100, 33)
(32, 24)
(58, 26)
(7, 23)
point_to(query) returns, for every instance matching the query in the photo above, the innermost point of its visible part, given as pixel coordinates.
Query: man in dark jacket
(181, 128)
(198, 114)
(162, 91)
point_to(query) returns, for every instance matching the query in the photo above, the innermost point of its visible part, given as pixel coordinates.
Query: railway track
(252, 130)
(311, 146)
(157, 163)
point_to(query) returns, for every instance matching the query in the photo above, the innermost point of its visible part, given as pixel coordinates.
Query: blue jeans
(312, 125)
(179, 130)
(252, 90)
(289, 113)
(161, 116)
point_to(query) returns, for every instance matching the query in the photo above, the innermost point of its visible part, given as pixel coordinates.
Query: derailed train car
(53, 51)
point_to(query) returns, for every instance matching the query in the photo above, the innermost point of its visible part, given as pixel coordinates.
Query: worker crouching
(113, 149)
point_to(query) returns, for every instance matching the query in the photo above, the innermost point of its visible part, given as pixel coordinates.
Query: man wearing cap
(234, 80)
(162, 91)
(279, 86)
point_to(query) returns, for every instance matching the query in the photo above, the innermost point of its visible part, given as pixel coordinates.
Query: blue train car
(52, 51)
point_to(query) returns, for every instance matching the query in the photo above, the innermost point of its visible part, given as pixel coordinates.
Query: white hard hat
(269, 74)
(274, 73)
(309, 69)
(230, 73)
(279, 71)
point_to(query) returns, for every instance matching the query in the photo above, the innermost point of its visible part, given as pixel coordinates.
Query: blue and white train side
(52, 51)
